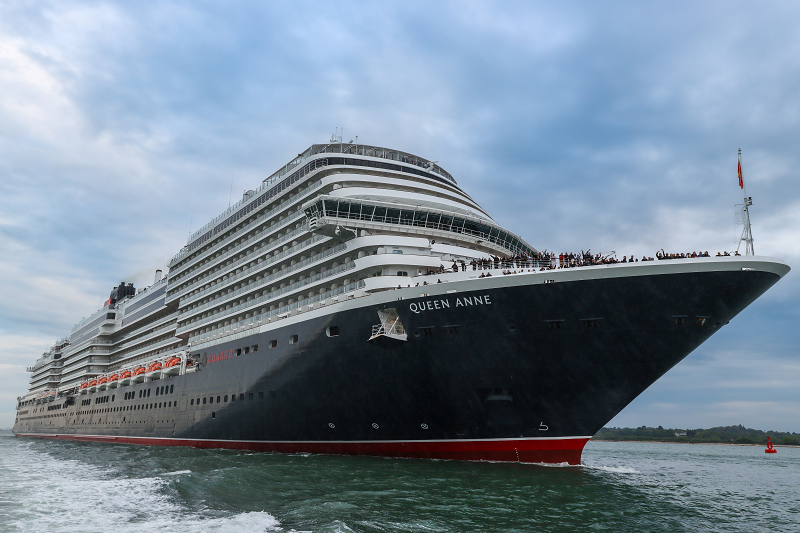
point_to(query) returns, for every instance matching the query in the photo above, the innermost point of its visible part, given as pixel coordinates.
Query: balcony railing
(265, 279)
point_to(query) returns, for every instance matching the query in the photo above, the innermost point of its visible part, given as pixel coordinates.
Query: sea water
(57, 486)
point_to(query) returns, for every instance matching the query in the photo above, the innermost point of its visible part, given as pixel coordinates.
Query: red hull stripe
(535, 450)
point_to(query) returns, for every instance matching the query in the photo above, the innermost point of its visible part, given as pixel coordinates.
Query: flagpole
(747, 234)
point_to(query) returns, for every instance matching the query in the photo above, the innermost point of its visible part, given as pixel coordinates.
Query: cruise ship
(360, 302)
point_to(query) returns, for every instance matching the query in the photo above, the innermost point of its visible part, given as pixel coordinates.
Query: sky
(600, 125)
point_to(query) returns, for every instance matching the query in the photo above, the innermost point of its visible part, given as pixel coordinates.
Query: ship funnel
(158, 277)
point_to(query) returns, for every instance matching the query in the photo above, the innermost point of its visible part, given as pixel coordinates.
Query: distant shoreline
(689, 442)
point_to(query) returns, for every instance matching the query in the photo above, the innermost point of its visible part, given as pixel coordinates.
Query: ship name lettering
(431, 305)
(219, 356)
(473, 300)
(435, 305)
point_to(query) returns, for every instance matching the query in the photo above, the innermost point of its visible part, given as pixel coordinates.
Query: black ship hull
(512, 368)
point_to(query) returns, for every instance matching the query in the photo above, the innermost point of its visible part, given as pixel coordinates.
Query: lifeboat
(138, 374)
(153, 370)
(102, 382)
(125, 377)
(113, 380)
(172, 366)
(84, 387)
(51, 396)
(190, 366)
(92, 384)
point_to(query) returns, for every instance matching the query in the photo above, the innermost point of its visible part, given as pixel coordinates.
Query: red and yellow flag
(741, 181)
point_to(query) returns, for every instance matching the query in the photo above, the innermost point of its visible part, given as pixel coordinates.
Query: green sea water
(86, 487)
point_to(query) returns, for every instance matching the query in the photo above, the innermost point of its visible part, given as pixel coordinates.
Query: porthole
(424, 426)
(273, 344)
(332, 331)
(331, 425)
(293, 339)
(375, 426)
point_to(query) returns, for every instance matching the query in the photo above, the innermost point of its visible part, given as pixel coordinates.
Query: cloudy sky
(610, 126)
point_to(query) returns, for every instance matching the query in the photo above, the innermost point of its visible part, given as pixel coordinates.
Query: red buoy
(770, 448)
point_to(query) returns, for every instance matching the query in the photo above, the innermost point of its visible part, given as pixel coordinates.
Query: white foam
(178, 473)
(615, 469)
(65, 495)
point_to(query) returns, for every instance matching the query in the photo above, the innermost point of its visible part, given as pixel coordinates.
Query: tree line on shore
(716, 435)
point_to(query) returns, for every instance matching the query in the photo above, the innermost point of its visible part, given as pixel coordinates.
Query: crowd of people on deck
(542, 261)
(545, 260)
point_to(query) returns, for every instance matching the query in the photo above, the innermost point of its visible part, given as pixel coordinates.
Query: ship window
(426, 332)
(148, 393)
(679, 320)
(332, 331)
(157, 390)
(112, 397)
(293, 339)
(191, 402)
(273, 344)
(260, 395)
(255, 347)
(204, 401)
(241, 397)
(591, 323)
(402, 273)
(217, 399)
(171, 388)
(249, 395)
(399, 252)
(554, 324)
(226, 398)
(452, 330)
(233, 397)
(700, 321)
(238, 352)
(272, 394)
(246, 350)
(213, 414)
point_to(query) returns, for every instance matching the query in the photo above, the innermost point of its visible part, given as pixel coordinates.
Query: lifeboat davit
(102, 382)
(92, 384)
(172, 367)
(153, 370)
(113, 380)
(125, 377)
(138, 374)
(84, 387)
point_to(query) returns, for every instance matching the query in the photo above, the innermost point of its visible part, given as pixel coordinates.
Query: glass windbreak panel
(446, 222)
(380, 214)
(458, 224)
(330, 208)
(393, 216)
(433, 220)
(355, 211)
(472, 228)
(344, 209)
(406, 216)
(367, 211)
(503, 238)
(420, 217)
